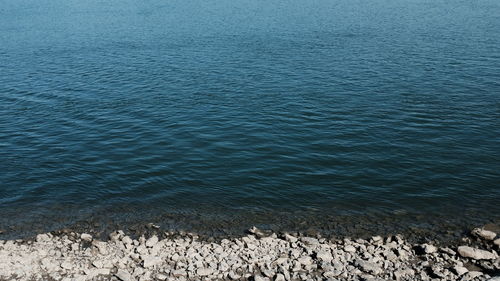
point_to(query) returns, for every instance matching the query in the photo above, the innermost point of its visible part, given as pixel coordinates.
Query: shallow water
(227, 108)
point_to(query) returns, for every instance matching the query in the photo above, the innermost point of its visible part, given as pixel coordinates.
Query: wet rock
(484, 234)
(477, 254)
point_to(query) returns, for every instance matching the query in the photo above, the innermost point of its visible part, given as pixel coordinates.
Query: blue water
(220, 106)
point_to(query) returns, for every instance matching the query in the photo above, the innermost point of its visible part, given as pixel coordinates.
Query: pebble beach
(259, 256)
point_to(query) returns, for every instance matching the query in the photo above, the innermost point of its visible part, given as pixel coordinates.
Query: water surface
(227, 108)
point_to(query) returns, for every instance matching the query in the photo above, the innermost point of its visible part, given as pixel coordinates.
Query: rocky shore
(258, 256)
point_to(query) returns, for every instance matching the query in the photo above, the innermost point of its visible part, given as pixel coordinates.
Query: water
(223, 109)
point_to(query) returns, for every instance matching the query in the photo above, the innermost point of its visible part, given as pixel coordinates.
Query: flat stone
(477, 254)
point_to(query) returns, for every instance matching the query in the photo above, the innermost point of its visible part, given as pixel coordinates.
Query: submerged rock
(484, 234)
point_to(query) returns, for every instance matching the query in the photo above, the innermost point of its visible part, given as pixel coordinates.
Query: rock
(257, 232)
(116, 235)
(161, 276)
(309, 240)
(260, 278)
(150, 261)
(305, 260)
(152, 241)
(42, 238)
(290, 238)
(279, 277)
(204, 271)
(86, 237)
(124, 275)
(324, 255)
(127, 240)
(477, 254)
(179, 273)
(484, 234)
(497, 242)
(368, 267)
(460, 270)
(474, 274)
(66, 265)
(233, 276)
(350, 249)
(429, 249)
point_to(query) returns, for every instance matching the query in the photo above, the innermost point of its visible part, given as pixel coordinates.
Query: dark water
(223, 109)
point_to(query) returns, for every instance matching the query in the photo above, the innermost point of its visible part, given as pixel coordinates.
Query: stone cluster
(259, 256)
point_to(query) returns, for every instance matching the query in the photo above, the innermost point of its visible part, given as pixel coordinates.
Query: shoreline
(259, 255)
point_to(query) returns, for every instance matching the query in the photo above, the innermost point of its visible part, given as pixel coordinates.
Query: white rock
(124, 275)
(260, 278)
(460, 270)
(150, 261)
(429, 249)
(127, 240)
(290, 238)
(66, 265)
(279, 277)
(204, 271)
(350, 249)
(152, 241)
(161, 276)
(477, 254)
(369, 267)
(86, 237)
(42, 238)
(305, 260)
(324, 255)
(497, 242)
(309, 240)
(485, 234)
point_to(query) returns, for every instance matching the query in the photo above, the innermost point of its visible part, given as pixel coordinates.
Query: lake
(249, 112)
